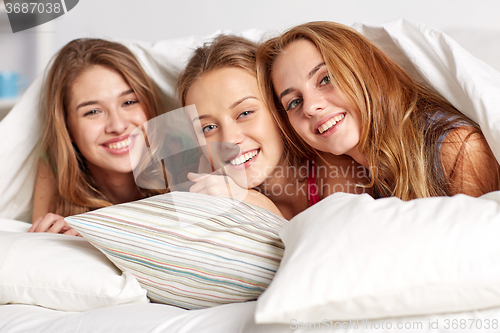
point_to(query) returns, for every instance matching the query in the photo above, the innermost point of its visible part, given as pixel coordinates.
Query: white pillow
(351, 257)
(61, 272)
(435, 59)
(187, 249)
(14, 225)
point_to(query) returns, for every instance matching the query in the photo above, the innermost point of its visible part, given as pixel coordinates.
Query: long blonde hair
(393, 106)
(75, 191)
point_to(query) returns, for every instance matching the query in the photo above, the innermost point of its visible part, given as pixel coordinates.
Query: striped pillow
(187, 249)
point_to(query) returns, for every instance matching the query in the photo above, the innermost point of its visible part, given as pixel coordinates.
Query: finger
(197, 177)
(46, 223)
(35, 224)
(197, 188)
(72, 232)
(59, 226)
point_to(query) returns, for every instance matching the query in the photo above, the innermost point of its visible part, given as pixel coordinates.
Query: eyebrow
(231, 107)
(286, 92)
(125, 93)
(314, 70)
(309, 76)
(199, 118)
(241, 101)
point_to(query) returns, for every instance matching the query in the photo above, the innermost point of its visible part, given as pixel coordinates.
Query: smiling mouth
(120, 144)
(244, 158)
(330, 123)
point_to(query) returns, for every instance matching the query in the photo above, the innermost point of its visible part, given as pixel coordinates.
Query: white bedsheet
(233, 318)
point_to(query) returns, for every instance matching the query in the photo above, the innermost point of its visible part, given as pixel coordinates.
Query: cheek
(276, 141)
(140, 117)
(83, 133)
(356, 120)
(204, 149)
(84, 139)
(298, 125)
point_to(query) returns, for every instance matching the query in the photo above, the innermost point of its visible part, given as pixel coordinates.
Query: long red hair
(400, 151)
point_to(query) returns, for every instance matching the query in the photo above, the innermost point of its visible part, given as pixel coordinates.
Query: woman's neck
(286, 187)
(358, 157)
(116, 187)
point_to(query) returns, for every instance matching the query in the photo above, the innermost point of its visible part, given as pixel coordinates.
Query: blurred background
(474, 24)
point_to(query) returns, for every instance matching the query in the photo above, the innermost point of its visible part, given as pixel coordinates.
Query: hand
(216, 185)
(53, 223)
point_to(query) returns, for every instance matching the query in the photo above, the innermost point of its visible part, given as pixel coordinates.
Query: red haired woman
(342, 95)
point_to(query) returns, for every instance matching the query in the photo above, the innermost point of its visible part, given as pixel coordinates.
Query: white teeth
(120, 144)
(242, 159)
(330, 123)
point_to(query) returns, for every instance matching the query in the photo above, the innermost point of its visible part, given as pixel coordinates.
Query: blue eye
(91, 112)
(325, 80)
(293, 104)
(131, 102)
(208, 128)
(245, 113)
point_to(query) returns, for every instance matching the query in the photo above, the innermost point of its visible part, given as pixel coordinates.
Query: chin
(256, 182)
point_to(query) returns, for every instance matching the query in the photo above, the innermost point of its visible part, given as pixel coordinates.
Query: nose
(232, 134)
(226, 144)
(117, 122)
(312, 103)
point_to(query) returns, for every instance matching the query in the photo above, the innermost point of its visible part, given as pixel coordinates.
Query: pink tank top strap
(312, 187)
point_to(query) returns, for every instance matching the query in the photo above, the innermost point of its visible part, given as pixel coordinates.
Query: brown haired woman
(342, 95)
(220, 80)
(95, 94)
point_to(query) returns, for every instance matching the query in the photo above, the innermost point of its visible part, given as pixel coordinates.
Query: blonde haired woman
(342, 95)
(220, 80)
(94, 95)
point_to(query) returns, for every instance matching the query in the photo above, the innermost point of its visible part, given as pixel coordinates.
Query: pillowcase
(13, 225)
(61, 272)
(351, 257)
(188, 249)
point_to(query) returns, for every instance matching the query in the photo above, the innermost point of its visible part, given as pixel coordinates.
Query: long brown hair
(75, 192)
(395, 109)
(227, 51)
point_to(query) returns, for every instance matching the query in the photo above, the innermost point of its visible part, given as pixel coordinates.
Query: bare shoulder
(462, 141)
(468, 161)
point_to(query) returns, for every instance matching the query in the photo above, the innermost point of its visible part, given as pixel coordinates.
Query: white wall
(152, 20)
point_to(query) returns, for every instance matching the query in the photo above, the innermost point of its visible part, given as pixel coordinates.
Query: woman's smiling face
(230, 110)
(319, 113)
(103, 110)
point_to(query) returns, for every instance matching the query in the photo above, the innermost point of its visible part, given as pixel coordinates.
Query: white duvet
(471, 85)
(234, 318)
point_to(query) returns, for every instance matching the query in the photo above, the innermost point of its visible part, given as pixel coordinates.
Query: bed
(349, 263)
